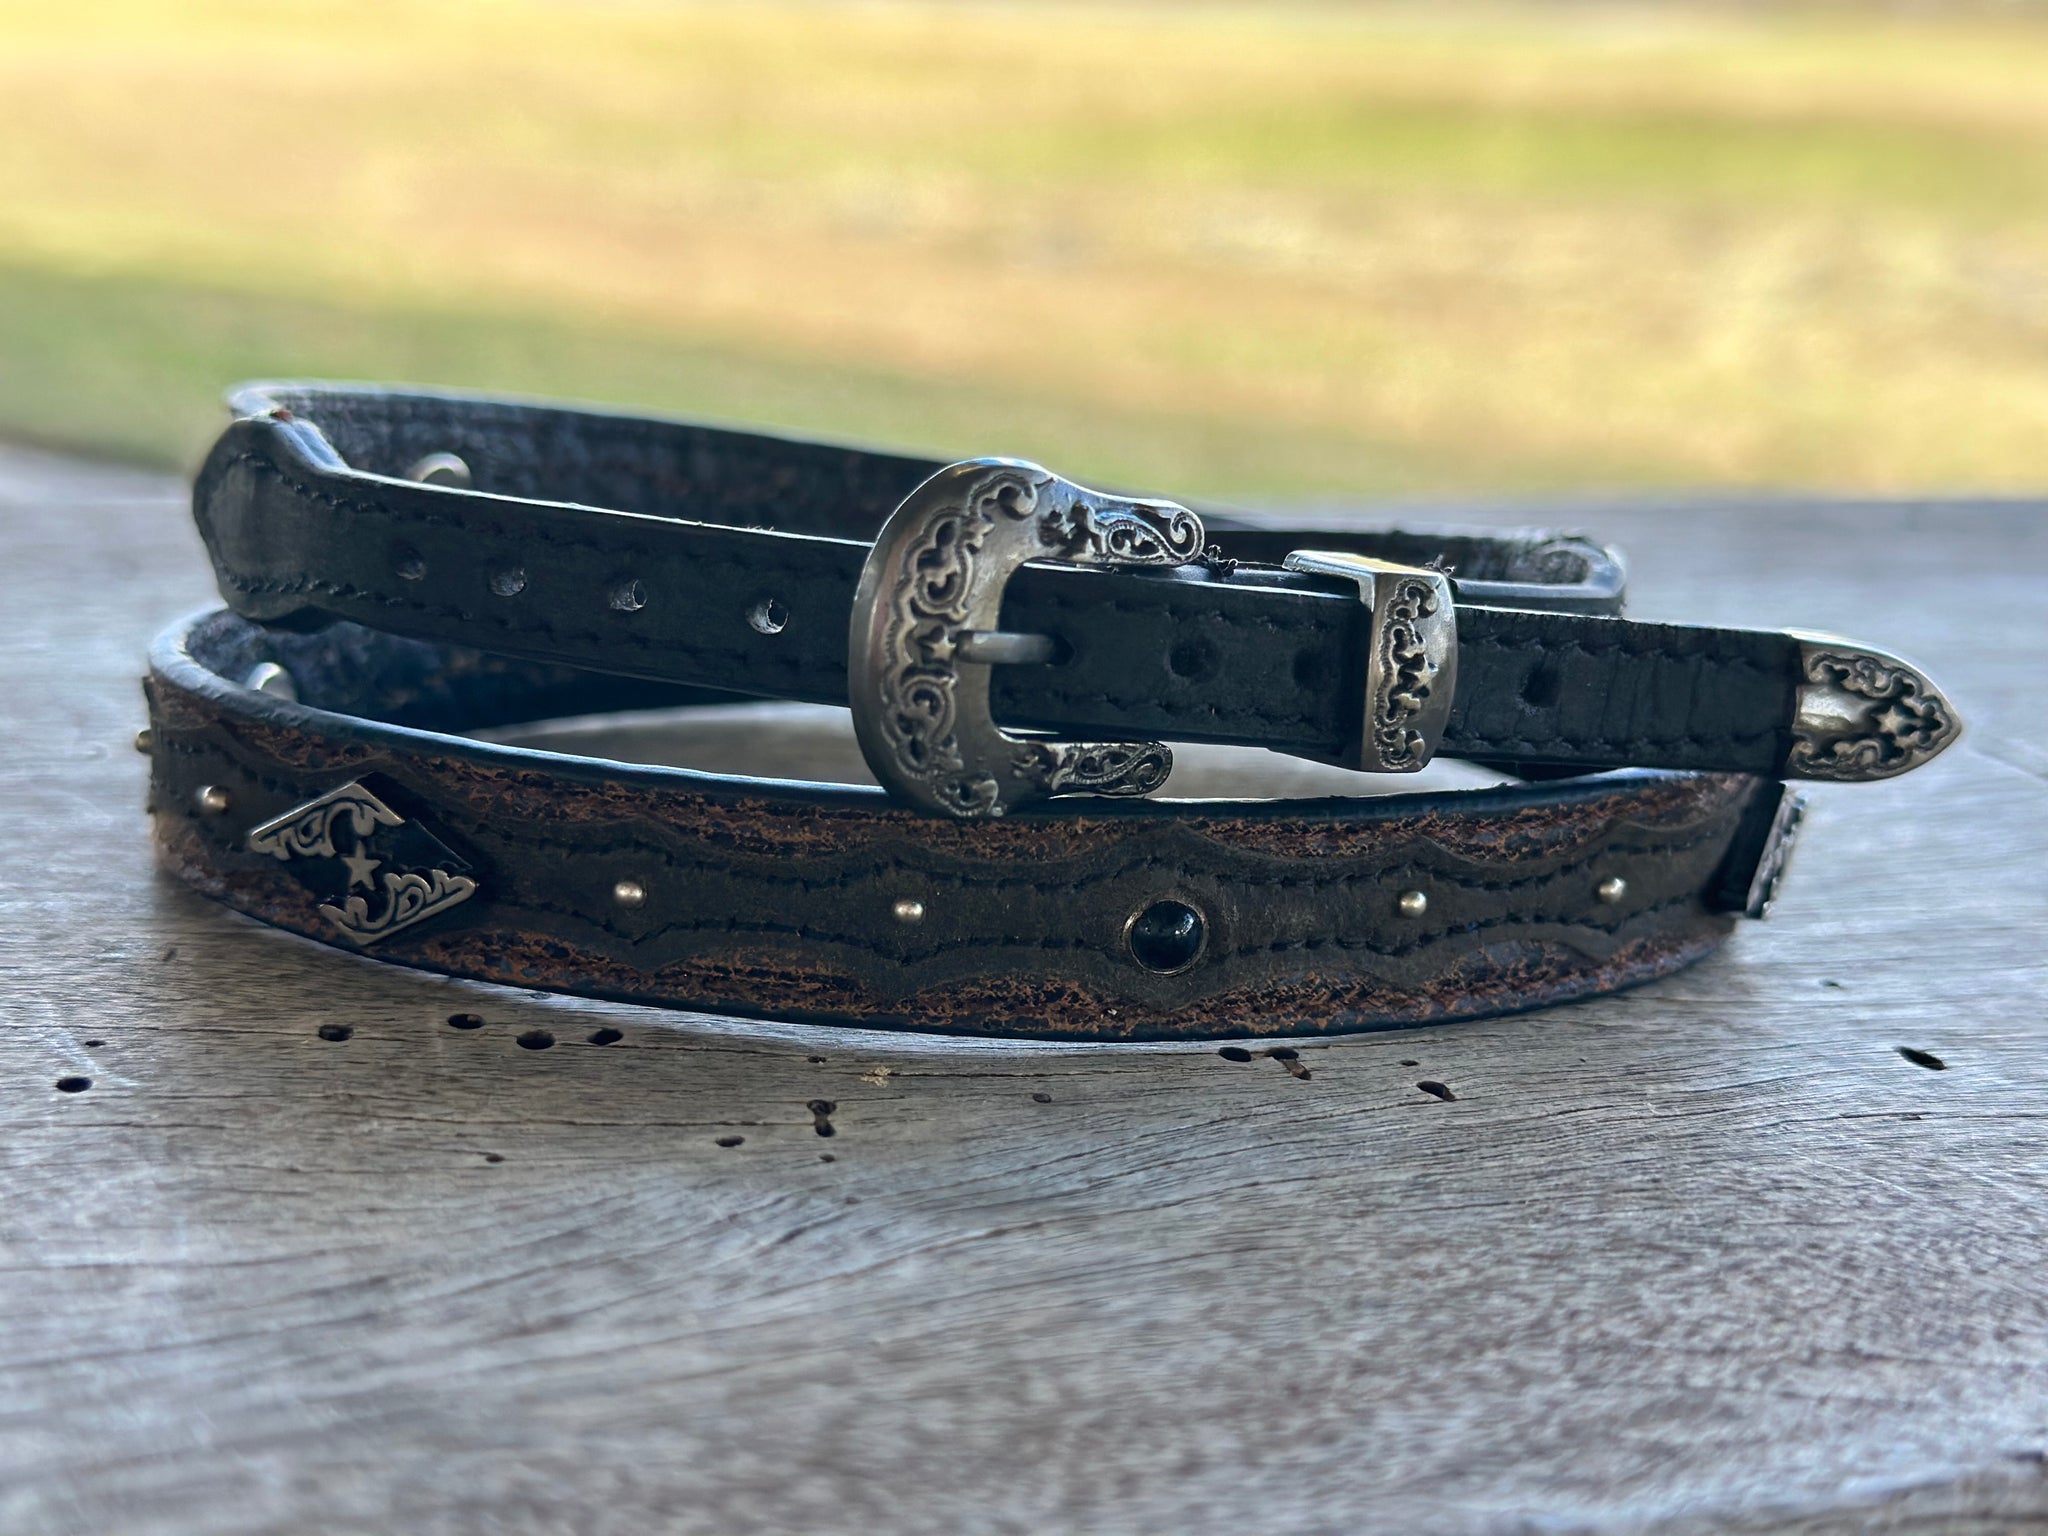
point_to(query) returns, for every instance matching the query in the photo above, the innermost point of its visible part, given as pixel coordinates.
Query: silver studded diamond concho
(380, 872)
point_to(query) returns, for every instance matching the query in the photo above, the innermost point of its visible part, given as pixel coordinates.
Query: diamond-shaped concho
(374, 871)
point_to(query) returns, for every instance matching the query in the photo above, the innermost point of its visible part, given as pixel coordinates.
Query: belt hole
(1191, 660)
(1542, 686)
(410, 564)
(1309, 667)
(768, 616)
(629, 596)
(509, 582)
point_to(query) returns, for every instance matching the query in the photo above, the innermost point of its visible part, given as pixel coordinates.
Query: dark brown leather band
(805, 902)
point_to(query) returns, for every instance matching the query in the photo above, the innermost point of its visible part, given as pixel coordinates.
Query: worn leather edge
(775, 901)
(1253, 656)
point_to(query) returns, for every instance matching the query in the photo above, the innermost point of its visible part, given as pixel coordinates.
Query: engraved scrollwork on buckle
(924, 635)
(1862, 714)
(1411, 665)
(408, 873)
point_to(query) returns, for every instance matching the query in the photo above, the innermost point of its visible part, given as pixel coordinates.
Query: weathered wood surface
(1711, 1256)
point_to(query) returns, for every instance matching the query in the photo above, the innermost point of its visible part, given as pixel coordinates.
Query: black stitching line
(782, 660)
(1663, 650)
(1129, 606)
(526, 622)
(868, 945)
(1462, 744)
(678, 851)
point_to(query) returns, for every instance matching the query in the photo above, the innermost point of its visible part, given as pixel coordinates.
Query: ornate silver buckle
(1411, 659)
(924, 635)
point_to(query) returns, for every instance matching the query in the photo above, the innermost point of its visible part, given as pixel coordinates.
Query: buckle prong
(1004, 648)
(924, 635)
(1411, 666)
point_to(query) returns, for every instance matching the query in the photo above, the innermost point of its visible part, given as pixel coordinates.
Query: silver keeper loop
(925, 635)
(1411, 664)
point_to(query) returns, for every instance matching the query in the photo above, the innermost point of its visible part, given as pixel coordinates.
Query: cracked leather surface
(637, 547)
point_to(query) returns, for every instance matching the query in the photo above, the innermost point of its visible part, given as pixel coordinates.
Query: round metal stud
(145, 739)
(441, 469)
(1167, 937)
(629, 893)
(1413, 903)
(909, 911)
(268, 677)
(770, 616)
(212, 799)
(1612, 889)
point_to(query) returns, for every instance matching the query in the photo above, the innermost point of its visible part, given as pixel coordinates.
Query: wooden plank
(1711, 1256)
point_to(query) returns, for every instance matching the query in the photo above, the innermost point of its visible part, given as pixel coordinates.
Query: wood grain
(1713, 1256)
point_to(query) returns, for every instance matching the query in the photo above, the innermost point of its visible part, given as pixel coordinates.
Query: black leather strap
(639, 547)
(1096, 919)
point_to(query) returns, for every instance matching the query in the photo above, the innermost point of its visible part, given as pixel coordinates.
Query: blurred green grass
(134, 369)
(1217, 248)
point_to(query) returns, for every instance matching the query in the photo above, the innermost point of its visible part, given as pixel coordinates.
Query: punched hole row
(765, 615)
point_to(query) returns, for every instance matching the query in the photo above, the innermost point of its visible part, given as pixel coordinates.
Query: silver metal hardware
(268, 677)
(630, 893)
(1411, 665)
(1862, 714)
(934, 582)
(411, 896)
(1611, 890)
(909, 911)
(1004, 648)
(212, 800)
(1413, 903)
(1568, 573)
(145, 740)
(441, 469)
(1776, 857)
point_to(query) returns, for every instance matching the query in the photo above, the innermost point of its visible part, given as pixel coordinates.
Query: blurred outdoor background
(1244, 249)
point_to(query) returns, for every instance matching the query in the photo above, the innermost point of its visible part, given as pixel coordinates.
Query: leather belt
(316, 779)
(705, 557)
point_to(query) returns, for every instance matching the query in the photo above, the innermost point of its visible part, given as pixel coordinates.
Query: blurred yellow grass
(1370, 247)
